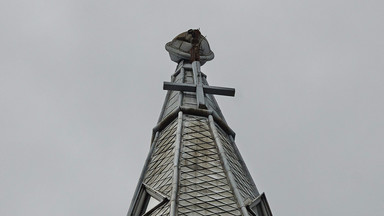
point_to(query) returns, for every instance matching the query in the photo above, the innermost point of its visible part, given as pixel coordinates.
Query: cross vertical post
(199, 85)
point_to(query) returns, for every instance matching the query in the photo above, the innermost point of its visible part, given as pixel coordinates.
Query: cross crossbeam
(198, 87)
(192, 88)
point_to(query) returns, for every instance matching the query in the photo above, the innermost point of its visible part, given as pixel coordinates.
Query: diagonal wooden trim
(141, 179)
(226, 167)
(176, 167)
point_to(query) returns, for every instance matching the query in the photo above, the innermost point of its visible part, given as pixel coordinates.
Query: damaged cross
(199, 87)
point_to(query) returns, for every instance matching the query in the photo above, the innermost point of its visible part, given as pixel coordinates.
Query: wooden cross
(198, 87)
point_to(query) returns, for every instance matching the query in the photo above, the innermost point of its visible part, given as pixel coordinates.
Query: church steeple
(193, 166)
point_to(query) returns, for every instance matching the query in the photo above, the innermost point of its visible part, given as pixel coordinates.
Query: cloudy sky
(81, 90)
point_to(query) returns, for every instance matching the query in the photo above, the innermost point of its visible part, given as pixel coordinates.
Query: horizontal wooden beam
(219, 90)
(179, 87)
(192, 88)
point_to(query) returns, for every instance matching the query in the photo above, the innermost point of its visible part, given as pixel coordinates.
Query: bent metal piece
(181, 47)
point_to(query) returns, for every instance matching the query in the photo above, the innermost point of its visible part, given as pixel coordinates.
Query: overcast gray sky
(81, 90)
